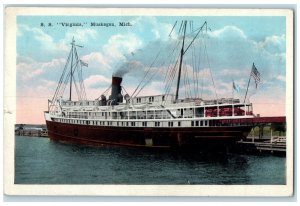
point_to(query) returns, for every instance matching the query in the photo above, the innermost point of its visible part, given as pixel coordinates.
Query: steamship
(153, 121)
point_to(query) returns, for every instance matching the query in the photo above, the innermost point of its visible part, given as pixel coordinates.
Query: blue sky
(232, 43)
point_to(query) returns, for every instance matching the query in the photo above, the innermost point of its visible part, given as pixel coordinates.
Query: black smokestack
(116, 88)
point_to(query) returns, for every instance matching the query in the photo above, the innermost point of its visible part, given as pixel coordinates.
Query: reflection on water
(41, 161)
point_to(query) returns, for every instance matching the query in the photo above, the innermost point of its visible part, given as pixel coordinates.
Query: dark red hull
(157, 137)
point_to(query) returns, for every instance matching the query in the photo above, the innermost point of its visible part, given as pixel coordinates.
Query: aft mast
(183, 51)
(71, 77)
(180, 65)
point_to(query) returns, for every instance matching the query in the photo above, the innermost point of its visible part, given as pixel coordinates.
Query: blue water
(41, 161)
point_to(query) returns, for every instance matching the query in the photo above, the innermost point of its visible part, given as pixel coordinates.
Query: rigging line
(180, 27)
(151, 77)
(81, 84)
(154, 73)
(160, 71)
(204, 73)
(65, 84)
(82, 87)
(162, 64)
(172, 28)
(170, 68)
(174, 71)
(210, 71)
(76, 69)
(195, 37)
(187, 80)
(197, 69)
(149, 69)
(194, 68)
(197, 66)
(172, 74)
(76, 88)
(172, 56)
(61, 78)
(193, 31)
(192, 25)
(64, 71)
(81, 91)
(146, 73)
(170, 71)
(193, 62)
(76, 82)
(104, 92)
(71, 77)
(107, 90)
(125, 90)
(202, 84)
(79, 73)
(189, 83)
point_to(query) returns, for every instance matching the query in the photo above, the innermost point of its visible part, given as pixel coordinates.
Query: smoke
(128, 67)
(137, 61)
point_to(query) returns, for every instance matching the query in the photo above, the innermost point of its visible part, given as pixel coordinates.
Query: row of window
(199, 123)
(109, 123)
(88, 103)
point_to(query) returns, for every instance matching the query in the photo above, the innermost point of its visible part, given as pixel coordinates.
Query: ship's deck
(258, 120)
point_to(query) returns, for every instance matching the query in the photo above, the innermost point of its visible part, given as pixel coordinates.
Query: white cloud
(97, 60)
(95, 80)
(228, 31)
(273, 44)
(47, 42)
(232, 72)
(121, 44)
(161, 30)
(81, 35)
(24, 59)
(158, 29)
(281, 78)
(49, 84)
(116, 52)
(32, 70)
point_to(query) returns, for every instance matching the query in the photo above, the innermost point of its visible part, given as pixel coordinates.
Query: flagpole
(232, 91)
(247, 86)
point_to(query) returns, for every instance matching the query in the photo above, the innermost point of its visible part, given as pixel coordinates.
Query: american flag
(83, 63)
(235, 86)
(255, 74)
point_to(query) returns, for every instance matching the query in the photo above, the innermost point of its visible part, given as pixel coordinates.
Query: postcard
(148, 102)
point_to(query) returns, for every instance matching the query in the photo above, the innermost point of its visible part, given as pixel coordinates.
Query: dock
(267, 136)
(274, 145)
(31, 130)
